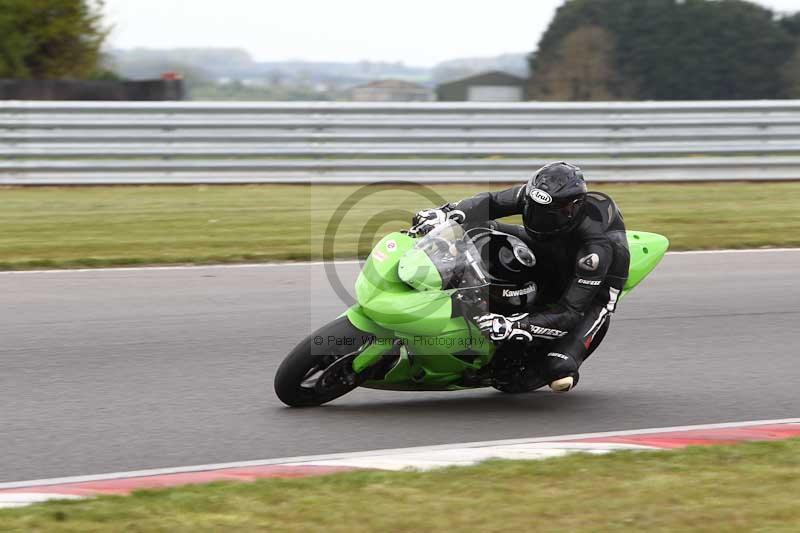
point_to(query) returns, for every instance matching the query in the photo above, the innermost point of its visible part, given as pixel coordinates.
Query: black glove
(499, 327)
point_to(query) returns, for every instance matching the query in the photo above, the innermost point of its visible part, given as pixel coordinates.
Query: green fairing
(647, 250)
(370, 354)
(422, 318)
(390, 302)
(416, 269)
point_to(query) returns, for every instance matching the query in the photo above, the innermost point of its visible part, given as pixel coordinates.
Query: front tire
(319, 369)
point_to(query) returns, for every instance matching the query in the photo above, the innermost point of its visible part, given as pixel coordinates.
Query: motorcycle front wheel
(320, 369)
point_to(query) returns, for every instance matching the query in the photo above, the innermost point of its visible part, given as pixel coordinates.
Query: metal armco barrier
(202, 142)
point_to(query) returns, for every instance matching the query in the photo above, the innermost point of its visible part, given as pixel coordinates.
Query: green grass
(746, 487)
(115, 226)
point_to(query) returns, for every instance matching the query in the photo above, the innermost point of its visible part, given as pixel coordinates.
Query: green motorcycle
(411, 328)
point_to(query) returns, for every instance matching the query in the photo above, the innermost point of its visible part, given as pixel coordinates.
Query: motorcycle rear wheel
(319, 369)
(521, 386)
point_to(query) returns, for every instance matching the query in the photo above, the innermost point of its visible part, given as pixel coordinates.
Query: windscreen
(454, 255)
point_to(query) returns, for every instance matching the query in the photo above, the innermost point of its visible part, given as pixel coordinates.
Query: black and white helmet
(554, 199)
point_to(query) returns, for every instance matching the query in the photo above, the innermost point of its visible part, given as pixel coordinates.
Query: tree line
(51, 39)
(666, 50)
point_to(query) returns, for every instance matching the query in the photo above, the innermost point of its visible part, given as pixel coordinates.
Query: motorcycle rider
(578, 238)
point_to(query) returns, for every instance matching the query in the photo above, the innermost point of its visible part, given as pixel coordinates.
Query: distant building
(390, 91)
(492, 86)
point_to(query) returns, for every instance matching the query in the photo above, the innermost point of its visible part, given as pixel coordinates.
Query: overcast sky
(417, 32)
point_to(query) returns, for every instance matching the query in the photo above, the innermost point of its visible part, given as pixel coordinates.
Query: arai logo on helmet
(541, 197)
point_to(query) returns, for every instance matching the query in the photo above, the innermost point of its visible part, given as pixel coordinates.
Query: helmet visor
(552, 217)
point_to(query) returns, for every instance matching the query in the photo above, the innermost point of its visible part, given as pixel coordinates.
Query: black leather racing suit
(581, 271)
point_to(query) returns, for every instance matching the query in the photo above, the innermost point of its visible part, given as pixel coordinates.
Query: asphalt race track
(119, 370)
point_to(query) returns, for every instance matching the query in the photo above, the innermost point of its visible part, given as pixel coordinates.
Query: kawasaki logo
(507, 293)
(589, 282)
(541, 197)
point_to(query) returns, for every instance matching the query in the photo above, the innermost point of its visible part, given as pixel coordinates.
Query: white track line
(373, 453)
(290, 264)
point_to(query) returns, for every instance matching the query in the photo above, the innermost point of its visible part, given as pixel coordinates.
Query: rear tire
(319, 369)
(515, 372)
(521, 387)
(598, 338)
